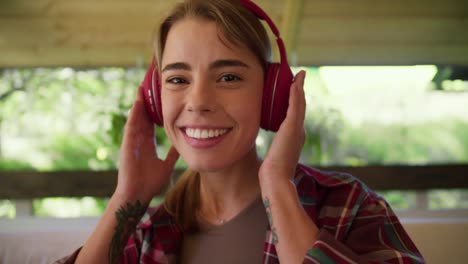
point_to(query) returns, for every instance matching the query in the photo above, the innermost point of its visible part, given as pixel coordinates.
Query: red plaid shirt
(356, 226)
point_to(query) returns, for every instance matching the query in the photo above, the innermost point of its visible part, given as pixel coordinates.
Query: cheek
(251, 109)
(248, 107)
(254, 102)
(170, 104)
(169, 111)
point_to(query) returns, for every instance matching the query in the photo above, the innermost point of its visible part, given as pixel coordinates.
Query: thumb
(172, 157)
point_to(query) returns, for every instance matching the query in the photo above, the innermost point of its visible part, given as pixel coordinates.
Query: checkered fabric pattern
(356, 226)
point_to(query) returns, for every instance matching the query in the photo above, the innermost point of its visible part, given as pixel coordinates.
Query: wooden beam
(89, 33)
(391, 35)
(403, 177)
(291, 26)
(385, 55)
(27, 185)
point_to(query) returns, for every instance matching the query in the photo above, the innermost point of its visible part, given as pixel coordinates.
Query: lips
(204, 137)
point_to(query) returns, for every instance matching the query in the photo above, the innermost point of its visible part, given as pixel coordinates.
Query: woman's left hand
(282, 158)
(292, 230)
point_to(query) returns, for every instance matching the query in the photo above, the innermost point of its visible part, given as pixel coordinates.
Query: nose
(201, 97)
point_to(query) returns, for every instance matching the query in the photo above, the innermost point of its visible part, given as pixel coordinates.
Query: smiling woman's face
(211, 96)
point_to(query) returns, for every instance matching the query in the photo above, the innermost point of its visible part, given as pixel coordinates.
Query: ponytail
(182, 201)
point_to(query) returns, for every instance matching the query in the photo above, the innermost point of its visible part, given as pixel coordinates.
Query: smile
(204, 138)
(199, 133)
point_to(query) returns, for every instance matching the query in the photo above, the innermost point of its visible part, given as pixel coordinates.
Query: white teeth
(204, 133)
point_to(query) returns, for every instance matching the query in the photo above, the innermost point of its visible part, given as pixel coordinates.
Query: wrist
(270, 175)
(275, 182)
(279, 189)
(126, 213)
(120, 199)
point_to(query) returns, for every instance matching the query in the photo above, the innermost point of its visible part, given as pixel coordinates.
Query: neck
(223, 194)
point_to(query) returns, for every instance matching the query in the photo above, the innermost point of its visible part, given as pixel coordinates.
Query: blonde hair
(240, 27)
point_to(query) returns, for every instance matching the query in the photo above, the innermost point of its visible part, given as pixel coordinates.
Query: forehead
(195, 38)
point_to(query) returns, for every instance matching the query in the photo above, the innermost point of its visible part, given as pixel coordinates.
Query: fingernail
(301, 86)
(129, 111)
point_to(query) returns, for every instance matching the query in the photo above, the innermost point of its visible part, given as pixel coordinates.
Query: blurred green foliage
(14, 165)
(448, 199)
(68, 119)
(400, 199)
(443, 141)
(69, 207)
(7, 209)
(63, 117)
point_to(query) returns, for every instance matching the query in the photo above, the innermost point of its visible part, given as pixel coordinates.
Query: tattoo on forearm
(127, 219)
(274, 235)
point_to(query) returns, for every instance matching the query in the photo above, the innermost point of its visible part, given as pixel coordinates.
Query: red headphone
(278, 81)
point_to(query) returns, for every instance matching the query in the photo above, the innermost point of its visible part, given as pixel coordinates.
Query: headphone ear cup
(157, 98)
(152, 94)
(267, 98)
(275, 101)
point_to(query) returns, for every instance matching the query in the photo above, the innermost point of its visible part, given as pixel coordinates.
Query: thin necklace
(218, 220)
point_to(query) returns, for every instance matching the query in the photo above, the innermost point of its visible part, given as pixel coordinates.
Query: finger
(301, 98)
(139, 131)
(135, 110)
(172, 156)
(138, 119)
(296, 108)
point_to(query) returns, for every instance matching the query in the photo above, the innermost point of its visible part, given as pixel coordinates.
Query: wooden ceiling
(89, 33)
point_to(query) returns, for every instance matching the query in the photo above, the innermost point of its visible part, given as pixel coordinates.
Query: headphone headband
(262, 15)
(254, 8)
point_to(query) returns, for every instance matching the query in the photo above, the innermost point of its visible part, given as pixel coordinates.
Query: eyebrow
(177, 66)
(227, 63)
(214, 65)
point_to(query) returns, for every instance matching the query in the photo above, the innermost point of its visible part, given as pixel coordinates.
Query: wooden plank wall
(90, 33)
(384, 32)
(30, 184)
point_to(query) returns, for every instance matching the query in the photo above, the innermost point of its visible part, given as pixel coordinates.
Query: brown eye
(229, 78)
(176, 80)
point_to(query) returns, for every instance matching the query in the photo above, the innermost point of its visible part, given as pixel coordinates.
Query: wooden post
(291, 26)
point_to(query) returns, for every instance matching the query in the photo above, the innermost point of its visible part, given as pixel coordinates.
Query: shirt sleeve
(156, 239)
(373, 235)
(70, 259)
(131, 252)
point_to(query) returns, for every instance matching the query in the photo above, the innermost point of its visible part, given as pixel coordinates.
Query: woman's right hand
(142, 174)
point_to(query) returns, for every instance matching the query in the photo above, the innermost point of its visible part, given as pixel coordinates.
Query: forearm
(293, 232)
(110, 234)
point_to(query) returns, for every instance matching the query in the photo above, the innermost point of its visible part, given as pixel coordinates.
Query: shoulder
(157, 232)
(335, 199)
(156, 216)
(319, 188)
(308, 177)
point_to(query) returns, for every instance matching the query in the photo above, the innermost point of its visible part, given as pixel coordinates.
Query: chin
(206, 165)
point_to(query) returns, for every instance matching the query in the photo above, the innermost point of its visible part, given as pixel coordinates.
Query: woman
(232, 207)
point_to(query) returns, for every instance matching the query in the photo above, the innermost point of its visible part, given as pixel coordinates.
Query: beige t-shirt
(240, 240)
